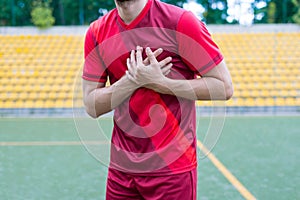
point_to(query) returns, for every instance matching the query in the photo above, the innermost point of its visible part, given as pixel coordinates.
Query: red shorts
(170, 187)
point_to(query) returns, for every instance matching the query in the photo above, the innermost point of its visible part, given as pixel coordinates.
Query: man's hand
(149, 71)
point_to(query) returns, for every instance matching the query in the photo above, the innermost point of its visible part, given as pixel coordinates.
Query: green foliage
(284, 10)
(78, 12)
(296, 16)
(176, 2)
(67, 12)
(15, 12)
(42, 15)
(271, 13)
(213, 13)
(5, 13)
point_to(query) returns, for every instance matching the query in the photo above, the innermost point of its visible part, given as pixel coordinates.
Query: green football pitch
(44, 159)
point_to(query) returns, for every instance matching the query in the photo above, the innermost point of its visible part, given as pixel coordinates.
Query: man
(159, 59)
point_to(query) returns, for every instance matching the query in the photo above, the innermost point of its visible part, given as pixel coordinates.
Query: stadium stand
(264, 67)
(38, 71)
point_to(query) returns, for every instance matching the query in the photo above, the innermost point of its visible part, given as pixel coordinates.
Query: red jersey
(153, 133)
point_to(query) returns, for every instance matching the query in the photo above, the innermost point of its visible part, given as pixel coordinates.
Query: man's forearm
(215, 84)
(206, 88)
(103, 100)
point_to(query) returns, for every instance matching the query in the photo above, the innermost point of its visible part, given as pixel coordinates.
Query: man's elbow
(92, 113)
(229, 91)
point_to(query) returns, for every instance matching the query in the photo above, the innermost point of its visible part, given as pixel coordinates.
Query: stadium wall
(80, 30)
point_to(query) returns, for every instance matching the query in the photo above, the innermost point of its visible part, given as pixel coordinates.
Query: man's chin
(124, 2)
(121, 1)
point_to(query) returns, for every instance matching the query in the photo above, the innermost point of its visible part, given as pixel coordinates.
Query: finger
(166, 73)
(165, 61)
(139, 58)
(165, 70)
(156, 53)
(132, 58)
(151, 56)
(129, 67)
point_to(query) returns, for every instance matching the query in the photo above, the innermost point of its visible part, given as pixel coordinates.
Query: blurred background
(41, 53)
(82, 12)
(41, 60)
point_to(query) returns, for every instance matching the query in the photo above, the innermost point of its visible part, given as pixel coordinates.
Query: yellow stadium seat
(231, 102)
(204, 103)
(68, 103)
(293, 93)
(240, 102)
(59, 103)
(42, 96)
(255, 93)
(23, 96)
(41, 70)
(279, 101)
(32, 95)
(39, 103)
(290, 101)
(297, 101)
(61, 95)
(9, 104)
(250, 101)
(49, 103)
(270, 101)
(19, 103)
(260, 101)
(265, 93)
(29, 104)
(56, 88)
(12, 95)
(52, 95)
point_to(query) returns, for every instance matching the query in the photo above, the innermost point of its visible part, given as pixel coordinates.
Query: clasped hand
(148, 71)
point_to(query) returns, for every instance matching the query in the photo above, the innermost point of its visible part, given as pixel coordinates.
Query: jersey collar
(137, 19)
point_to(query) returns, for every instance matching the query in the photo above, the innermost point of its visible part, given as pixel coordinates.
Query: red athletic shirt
(153, 134)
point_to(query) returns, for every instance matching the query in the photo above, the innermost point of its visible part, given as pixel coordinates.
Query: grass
(262, 152)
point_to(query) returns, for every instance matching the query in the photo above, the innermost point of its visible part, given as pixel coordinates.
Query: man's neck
(129, 10)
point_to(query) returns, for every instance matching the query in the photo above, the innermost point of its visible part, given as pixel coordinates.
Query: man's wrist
(129, 83)
(160, 86)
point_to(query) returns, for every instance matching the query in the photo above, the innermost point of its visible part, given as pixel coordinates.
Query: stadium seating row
(39, 71)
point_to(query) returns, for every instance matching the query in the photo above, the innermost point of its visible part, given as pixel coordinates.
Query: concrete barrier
(81, 30)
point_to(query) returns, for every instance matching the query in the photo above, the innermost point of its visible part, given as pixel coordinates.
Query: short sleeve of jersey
(94, 69)
(195, 45)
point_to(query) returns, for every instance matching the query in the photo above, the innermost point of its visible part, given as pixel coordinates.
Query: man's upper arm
(94, 74)
(195, 45)
(94, 69)
(220, 72)
(89, 86)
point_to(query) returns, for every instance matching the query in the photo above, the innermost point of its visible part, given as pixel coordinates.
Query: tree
(42, 14)
(216, 11)
(5, 13)
(284, 10)
(271, 13)
(15, 12)
(276, 11)
(176, 2)
(296, 16)
(77, 12)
